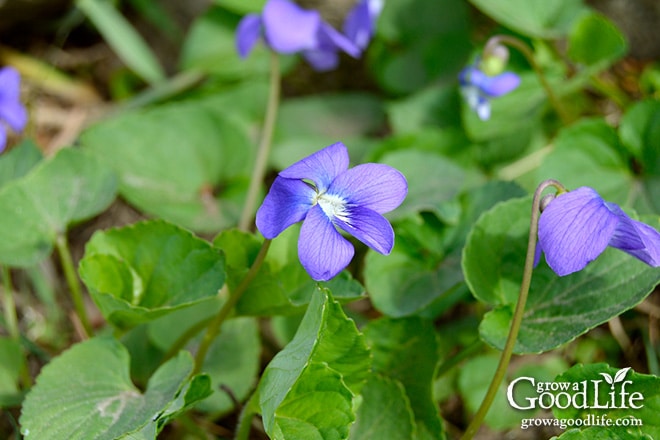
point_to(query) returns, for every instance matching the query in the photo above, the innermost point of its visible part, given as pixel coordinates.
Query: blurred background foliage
(156, 93)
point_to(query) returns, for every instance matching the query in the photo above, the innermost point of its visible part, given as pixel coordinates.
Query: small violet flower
(325, 194)
(286, 28)
(478, 88)
(360, 23)
(12, 112)
(577, 226)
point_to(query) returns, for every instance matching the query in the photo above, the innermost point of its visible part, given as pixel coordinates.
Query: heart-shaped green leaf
(596, 40)
(185, 162)
(307, 390)
(140, 272)
(70, 187)
(86, 393)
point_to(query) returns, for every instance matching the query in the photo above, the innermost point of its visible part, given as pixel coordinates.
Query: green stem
(525, 164)
(185, 337)
(265, 144)
(213, 329)
(8, 304)
(529, 55)
(245, 418)
(459, 357)
(11, 320)
(611, 91)
(174, 86)
(73, 282)
(518, 313)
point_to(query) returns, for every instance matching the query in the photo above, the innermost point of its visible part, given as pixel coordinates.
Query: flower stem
(8, 304)
(518, 313)
(245, 418)
(459, 357)
(529, 55)
(265, 143)
(73, 282)
(213, 330)
(11, 320)
(181, 342)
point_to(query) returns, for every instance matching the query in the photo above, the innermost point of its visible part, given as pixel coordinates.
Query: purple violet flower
(286, 28)
(323, 192)
(12, 112)
(478, 88)
(360, 23)
(577, 226)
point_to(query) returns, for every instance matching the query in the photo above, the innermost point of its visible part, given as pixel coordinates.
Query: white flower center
(333, 206)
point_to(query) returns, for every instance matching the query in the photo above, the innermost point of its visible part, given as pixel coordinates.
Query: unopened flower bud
(495, 58)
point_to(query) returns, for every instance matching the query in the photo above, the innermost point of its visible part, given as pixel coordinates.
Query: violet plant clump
(287, 29)
(202, 313)
(322, 192)
(577, 226)
(12, 112)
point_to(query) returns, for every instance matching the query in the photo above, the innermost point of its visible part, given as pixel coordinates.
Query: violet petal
(635, 238)
(322, 60)
(378, 187)
(322, 251)
(499, 85)
(650, 253)
(3, 138)
(321, 167)
(12, 110)
(287, 202)
(328, 38)
(358, 25)
(574, 229)
(370, 228)
(248, 33)
(289, 28)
